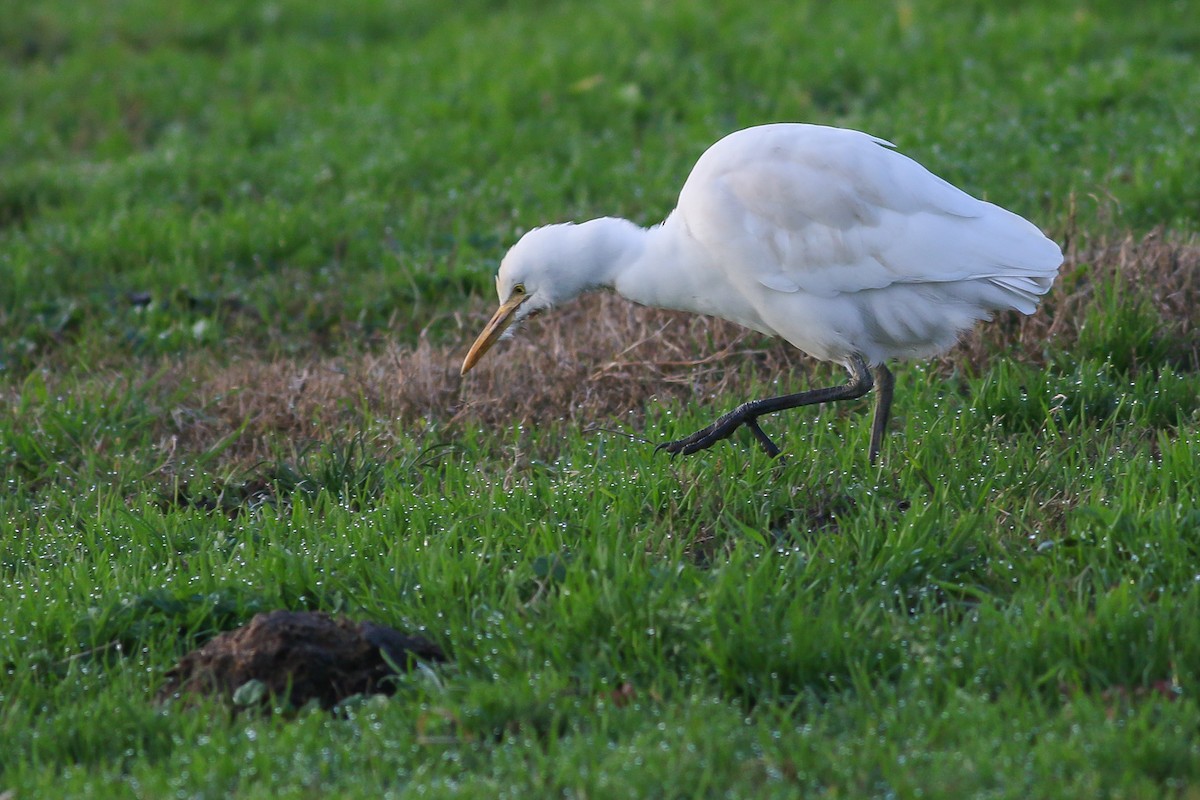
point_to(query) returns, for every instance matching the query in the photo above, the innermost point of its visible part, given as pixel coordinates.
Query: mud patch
(294, 658)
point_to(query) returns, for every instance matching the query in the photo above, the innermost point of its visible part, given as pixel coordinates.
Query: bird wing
(829, 211)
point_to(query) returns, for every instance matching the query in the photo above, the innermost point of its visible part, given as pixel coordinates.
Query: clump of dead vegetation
(597, 358)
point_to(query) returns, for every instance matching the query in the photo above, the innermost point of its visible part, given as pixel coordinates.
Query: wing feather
(829, 211)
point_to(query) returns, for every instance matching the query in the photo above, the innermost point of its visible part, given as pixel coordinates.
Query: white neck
(662, 266)
(644, 265)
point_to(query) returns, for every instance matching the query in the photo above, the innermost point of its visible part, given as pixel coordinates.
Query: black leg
(884, 383)
(748, 413)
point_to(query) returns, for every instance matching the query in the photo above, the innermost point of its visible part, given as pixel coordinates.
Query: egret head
(541, 270)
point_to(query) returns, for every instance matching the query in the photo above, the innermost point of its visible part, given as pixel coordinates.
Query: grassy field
(243, 249)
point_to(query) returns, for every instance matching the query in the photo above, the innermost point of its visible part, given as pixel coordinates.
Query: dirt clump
(294, 657)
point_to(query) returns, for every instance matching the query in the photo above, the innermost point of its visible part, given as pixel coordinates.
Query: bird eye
(519, 289)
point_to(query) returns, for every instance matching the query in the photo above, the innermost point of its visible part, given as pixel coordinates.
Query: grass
(243, 247)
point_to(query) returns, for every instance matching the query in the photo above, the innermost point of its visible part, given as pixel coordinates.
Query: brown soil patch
(298, 657)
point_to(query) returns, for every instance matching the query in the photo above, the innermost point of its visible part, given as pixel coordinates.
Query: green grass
(332, 168)
(1008, 607)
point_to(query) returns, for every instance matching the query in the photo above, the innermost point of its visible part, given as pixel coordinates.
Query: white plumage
(826, 237)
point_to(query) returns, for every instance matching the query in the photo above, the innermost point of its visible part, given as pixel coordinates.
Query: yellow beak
(495, 328)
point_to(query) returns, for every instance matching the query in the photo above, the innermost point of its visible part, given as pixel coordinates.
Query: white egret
(826, 237)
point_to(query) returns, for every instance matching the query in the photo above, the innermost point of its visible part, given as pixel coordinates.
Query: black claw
(701, 439)
(764, 441)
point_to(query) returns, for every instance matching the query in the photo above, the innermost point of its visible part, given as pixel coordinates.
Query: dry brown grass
(603, 358)
(595, 359)
(1162, 271)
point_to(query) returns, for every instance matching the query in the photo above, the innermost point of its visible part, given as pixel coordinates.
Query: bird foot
(723, 428)
(700, 440)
